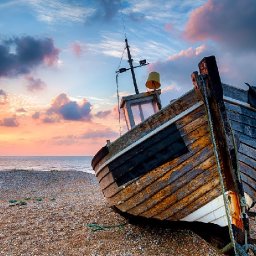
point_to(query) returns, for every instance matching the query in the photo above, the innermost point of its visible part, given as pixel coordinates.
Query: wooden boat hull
(166, 168)
(242, 118)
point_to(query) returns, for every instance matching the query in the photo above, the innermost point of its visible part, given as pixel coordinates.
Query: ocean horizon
(46, 163)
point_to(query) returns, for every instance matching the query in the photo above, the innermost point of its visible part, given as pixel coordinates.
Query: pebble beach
(65, 213)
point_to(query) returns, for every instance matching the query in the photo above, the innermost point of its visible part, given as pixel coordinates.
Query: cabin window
(137, 114)
(126, 116)
(142, 111)
(148, 109)
(139, 107)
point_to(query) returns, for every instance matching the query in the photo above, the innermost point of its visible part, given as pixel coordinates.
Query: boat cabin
(139, 107)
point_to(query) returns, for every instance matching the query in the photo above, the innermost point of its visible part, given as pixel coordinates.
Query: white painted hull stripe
(212, 212)
(176, 118)
(238, 102)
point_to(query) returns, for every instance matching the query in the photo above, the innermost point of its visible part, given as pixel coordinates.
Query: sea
(46, 163)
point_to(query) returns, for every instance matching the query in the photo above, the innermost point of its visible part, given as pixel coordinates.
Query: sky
(58, 60)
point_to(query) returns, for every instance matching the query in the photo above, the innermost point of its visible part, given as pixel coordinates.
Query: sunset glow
(58, 61)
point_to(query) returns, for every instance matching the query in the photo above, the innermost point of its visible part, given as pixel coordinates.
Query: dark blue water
(46, 163)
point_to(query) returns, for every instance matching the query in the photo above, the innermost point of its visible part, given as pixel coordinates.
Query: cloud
(9, 122)
(21, 110)
(103, 114)
(190, 52)
(106, 9)
(96, 134)
(51, 11)
(230, 22)
(50, 120)
(36, 115)
(77, 48)
(168, 27)
(112, 45)
(19, 55)
(66, 109)
(176, 70)
(35, 84)
(104, 133)
(3, 97)
(161, 10)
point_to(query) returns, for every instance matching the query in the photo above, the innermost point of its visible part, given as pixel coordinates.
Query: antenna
(130, 60)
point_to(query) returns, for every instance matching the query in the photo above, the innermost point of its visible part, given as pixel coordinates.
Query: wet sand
(50, 213)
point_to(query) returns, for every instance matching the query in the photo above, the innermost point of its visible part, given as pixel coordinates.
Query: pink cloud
(168, 88)
(3, 97)
(21, 110)
(230, 22)
(190, 52)
(9, 122)
(35, 84)
(36, 115)
(64, 108)
(168, 27)
(77, 49)
(103, 114)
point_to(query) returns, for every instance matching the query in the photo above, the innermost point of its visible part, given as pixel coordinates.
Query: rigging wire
(117, 93)
(122, 17)
(118, 105)
(117, 73)
(121, 59)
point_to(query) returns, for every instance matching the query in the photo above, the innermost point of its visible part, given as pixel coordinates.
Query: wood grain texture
(196, 148)
(167, 113)
(196, 136)
(190, 127)
(181, 198)
(243, 123)
(235, 93)
(197, 203)
(168, 185)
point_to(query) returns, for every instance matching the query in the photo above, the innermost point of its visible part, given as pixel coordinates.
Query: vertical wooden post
(223, 133)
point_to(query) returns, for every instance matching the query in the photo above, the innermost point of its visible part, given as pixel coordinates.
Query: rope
(97, 227)
(242, 250)
(218, 164)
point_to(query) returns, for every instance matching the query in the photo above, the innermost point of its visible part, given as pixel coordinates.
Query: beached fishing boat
(193, 160)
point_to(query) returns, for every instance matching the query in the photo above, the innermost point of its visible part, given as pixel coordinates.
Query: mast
(130, 60)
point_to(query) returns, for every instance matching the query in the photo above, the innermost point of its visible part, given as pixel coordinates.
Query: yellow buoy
(153, 81)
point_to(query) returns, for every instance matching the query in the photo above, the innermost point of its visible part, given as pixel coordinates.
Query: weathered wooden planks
(245, 129)
(167, 113)
(168, 185)
(243, 122)
(247, 150)
(249, 185)
(197, 203)
(178, 201)
(121, 194)
(160, 148)
(187, 118)
(235, 93)
(192, 132)
(193, 129)
(248, 171)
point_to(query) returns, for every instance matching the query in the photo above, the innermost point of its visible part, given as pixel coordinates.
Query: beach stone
(60, 226)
